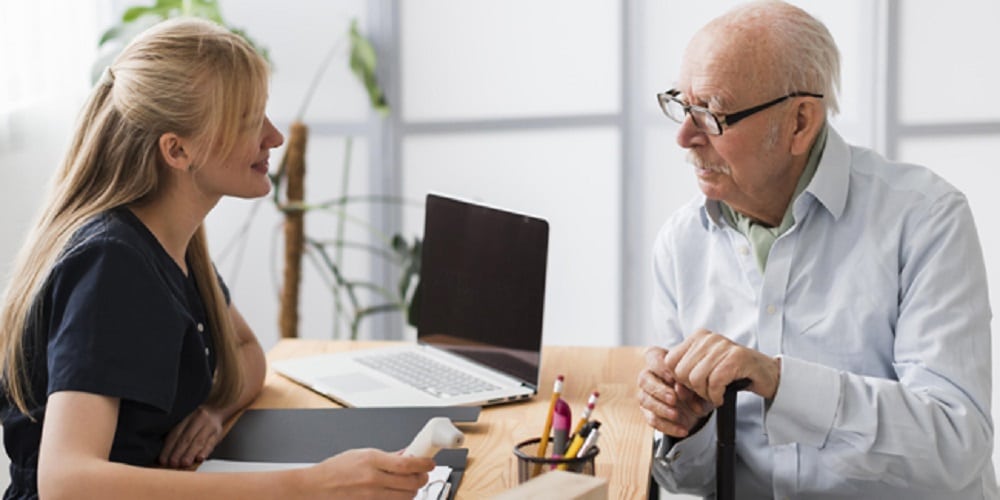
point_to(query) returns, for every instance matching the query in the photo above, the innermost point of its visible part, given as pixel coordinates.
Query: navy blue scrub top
(117, 317)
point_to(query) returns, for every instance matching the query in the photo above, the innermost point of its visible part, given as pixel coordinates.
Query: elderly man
(849, 289)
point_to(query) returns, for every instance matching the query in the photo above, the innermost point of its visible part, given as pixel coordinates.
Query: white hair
(805, 55)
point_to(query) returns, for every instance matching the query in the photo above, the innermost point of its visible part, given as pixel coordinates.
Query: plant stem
(317, 77)
(341, 282)
(345, 178)
(240, 237)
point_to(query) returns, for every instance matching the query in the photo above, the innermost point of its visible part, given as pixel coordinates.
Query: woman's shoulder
(117, 226)
(114, 236)
(114, 257)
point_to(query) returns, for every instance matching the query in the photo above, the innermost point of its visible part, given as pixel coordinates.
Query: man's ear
(809, 118)
(174, 150)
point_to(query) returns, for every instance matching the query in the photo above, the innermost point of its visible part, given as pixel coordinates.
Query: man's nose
(689, 135)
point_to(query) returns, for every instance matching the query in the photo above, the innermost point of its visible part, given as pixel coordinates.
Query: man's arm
(685, 462)
(931, 427)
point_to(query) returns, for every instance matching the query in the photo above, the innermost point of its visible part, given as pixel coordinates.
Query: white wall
(45, 52)
(467, 65)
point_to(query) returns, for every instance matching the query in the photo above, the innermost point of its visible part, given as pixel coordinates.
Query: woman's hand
(193, 439)
(370, 473)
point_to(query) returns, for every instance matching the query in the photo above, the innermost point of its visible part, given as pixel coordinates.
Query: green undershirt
(762, 237)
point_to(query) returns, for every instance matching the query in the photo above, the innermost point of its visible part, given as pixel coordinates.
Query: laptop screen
(482, 285)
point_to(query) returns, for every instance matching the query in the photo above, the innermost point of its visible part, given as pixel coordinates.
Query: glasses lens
(662, 99)
(674, 109)
(706, 121)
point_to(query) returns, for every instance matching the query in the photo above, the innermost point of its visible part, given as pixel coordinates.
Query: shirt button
(201, 328)
(206, 351)
(771, 309)
(744, 250)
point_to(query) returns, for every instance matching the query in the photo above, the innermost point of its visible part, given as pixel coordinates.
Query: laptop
(479, 334)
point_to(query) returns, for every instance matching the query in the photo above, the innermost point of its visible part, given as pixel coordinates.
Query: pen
(543, 443)
(589, 443)
(560, 427)
(586, 412)
(578, 440)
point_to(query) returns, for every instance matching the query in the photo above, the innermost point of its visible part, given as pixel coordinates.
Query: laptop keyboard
(426, 374)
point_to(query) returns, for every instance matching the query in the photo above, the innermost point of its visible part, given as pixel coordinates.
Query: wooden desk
(626, 440)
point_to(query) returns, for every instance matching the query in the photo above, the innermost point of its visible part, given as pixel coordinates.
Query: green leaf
(363, 62)
(162, 9)
(168, 5)
(399, 245)
(208, 9)
(410, 263)
(134, 13)
(111, 33)
(132, 19)
(413, 309)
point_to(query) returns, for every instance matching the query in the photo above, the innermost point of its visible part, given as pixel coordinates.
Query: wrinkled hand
(667, 405)
(193, 439)
(707, 362)
(371, 473)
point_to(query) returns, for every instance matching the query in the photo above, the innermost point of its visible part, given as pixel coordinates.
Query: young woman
(122, 354)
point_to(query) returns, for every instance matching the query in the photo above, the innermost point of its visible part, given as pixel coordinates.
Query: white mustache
(697, 161)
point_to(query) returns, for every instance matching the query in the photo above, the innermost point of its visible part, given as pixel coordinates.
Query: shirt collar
(829, 183)
(832, 179)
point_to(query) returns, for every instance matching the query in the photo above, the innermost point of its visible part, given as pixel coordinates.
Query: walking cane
(725, 459)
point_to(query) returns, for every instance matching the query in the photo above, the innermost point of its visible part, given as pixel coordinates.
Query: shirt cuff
(695, 445)
(805, 405)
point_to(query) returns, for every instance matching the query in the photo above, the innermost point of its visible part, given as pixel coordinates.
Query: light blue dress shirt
(876, 301)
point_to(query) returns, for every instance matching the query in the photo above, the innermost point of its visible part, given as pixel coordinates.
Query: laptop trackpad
(352, 382)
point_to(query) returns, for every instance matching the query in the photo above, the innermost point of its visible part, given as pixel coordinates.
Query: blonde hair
(186, 76)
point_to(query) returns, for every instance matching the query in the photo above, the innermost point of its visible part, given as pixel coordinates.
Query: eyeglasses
(709, 122)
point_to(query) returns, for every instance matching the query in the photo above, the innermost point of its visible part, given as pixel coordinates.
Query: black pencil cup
(530, 465)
